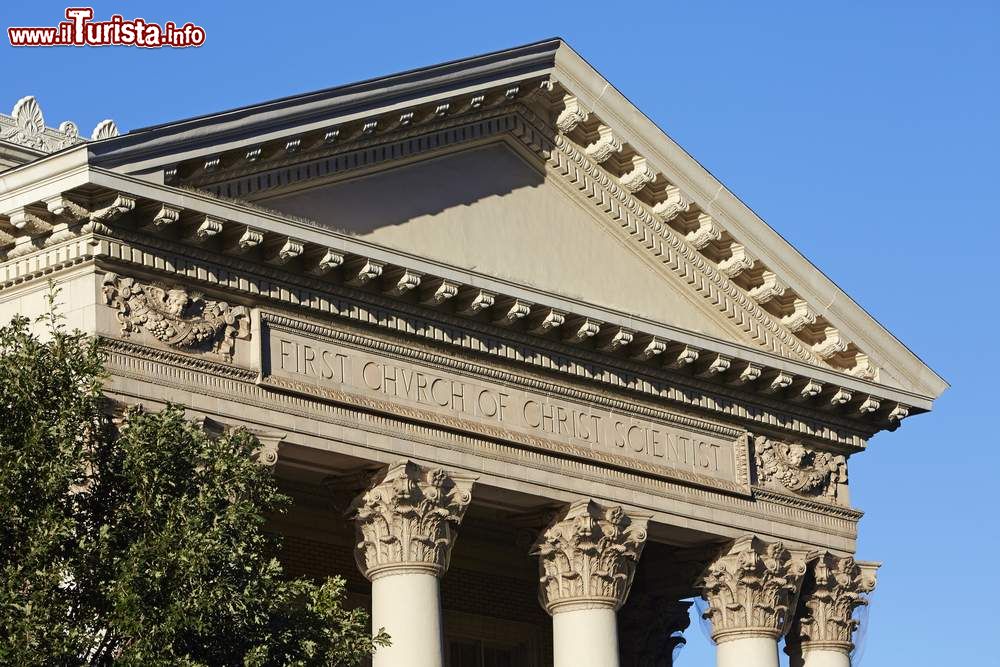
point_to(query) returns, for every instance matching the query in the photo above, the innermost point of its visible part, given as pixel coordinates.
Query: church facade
(534, 378)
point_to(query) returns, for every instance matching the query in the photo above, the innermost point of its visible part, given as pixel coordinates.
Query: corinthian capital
(407, 519)
(833, 589)
(587, 557)
(751, 589)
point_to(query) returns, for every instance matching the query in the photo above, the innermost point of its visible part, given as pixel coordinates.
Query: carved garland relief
(791, 467)
(181, 319)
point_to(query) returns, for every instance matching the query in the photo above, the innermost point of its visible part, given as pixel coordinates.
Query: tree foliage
(141, 542)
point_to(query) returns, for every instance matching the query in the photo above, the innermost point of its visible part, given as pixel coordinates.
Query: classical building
(533, 376)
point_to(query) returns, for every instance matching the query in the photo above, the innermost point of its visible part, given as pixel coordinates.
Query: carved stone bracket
(792, 467)
(587, 557)
(834, 587)
(408, 518)
(175, 316)
(751, 589)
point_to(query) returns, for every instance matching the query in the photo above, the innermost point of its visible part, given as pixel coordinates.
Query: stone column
(822, 632)
(406, 524)
(751, 590)
(586, 560)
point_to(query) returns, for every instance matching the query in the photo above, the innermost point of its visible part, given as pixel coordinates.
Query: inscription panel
(379, 376)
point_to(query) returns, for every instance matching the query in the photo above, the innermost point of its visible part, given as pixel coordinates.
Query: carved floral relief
(177, 317)
(793, 467)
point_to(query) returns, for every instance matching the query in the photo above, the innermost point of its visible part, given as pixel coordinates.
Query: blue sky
(864, 132)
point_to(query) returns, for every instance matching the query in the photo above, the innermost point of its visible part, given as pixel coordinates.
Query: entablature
(264, 254)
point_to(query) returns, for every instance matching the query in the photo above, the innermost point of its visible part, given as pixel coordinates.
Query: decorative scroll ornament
(751, 589)
(833, 589)
(791, 467)
(174, 316)
(408, 518)
(587, 557)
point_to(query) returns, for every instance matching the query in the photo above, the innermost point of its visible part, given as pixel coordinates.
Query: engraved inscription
(344, 370)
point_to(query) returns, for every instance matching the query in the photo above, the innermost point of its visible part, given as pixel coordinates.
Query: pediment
(489, 210)
(604, 207)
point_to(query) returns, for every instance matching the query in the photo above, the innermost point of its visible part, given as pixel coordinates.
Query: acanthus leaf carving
(752, 589)
(587, 557)
(407, 519)
(181, 319)
(792, 467)
(833, 589)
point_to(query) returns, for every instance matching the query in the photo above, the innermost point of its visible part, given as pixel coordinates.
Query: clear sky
(864, 132)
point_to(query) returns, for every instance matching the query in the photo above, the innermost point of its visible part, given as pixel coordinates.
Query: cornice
(256, 280)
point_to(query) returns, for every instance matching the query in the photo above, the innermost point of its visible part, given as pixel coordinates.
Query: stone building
(533, 376)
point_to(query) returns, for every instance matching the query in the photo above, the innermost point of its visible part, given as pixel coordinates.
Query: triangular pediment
(489, 210)
(528, 166)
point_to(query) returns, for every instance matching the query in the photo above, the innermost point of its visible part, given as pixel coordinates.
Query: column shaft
(585, 638)
(408, 606)
(747, 652)
(406, 524)
(826, 658)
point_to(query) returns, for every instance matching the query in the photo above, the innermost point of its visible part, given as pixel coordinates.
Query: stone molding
(175, 316)
(834, 587)
(795, 468)
(408, 518)
(587, 557)
(752, 589)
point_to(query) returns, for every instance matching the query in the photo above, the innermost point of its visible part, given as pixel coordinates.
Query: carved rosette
(751, 589)
(833, 589)
(587, 557)
(792, 467)
(181, 319)
(407, 520)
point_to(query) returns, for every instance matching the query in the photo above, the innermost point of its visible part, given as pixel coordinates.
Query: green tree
(141, 541)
